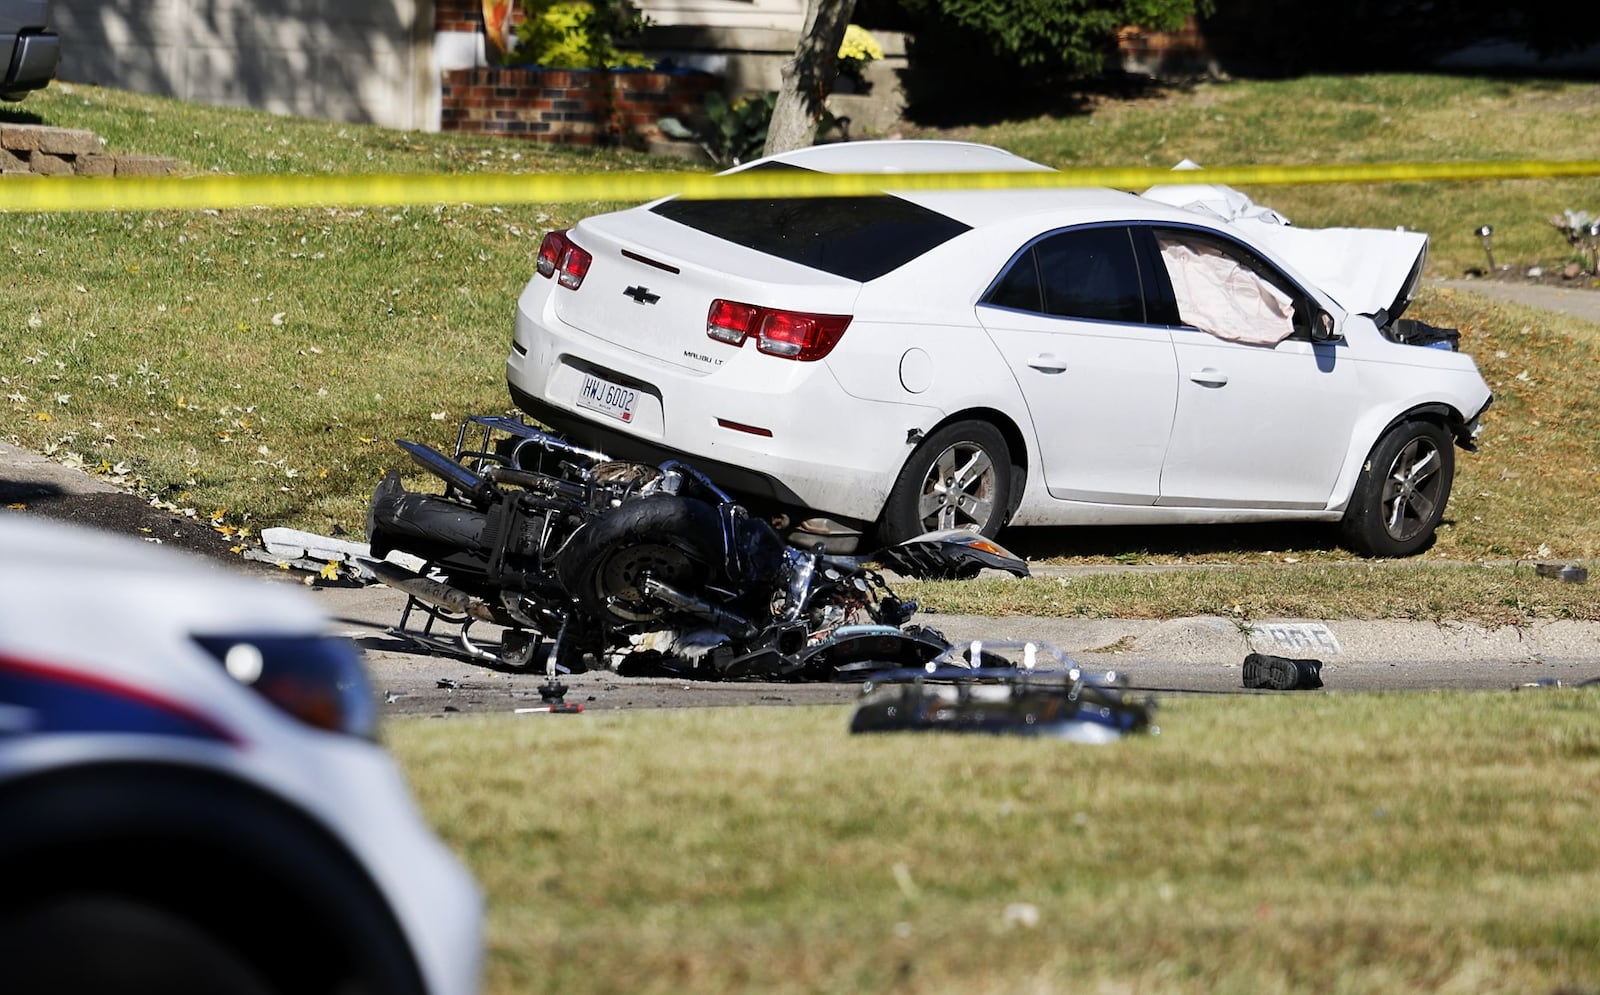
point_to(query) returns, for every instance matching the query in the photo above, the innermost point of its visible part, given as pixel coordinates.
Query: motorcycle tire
(676, 540)
(424, 525)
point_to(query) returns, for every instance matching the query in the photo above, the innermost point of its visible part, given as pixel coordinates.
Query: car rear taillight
(798, 335)
(559, 254)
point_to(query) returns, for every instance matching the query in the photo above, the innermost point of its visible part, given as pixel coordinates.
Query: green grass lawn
(1309, 842)
(254, 366)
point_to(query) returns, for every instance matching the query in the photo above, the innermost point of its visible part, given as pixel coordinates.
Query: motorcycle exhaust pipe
(433, 592)
(721, 618)
(476, 488)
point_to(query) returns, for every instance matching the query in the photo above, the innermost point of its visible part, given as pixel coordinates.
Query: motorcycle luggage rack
(440, 604)
(460, 643)
(537, 440)
(518, 647)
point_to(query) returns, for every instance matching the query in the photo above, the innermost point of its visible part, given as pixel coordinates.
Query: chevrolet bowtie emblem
(641, 295)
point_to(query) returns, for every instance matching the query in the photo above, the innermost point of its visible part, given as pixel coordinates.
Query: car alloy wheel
(959, 490)
(960, 478)
(1400, 496)
(1412, 490)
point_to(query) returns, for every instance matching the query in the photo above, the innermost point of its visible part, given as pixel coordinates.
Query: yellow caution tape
(71, 193)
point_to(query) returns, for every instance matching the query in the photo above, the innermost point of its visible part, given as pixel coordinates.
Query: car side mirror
(1322, 327)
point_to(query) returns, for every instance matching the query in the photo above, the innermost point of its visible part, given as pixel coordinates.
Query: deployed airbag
(1217, 294)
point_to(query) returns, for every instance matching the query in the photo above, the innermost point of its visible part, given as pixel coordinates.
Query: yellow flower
(859, 44)
(44, 416)
(329, 572)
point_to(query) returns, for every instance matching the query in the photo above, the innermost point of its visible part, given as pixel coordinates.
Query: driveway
(1576, 301)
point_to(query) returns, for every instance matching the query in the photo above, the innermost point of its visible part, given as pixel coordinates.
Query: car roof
(903, 157)
(975, 207)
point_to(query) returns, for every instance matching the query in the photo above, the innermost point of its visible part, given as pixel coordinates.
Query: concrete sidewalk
(1578, 302)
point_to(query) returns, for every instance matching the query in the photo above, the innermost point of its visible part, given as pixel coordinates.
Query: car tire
(677, 540)
(1400, 495)
(959, 478)
(210, 876)
(91, 943)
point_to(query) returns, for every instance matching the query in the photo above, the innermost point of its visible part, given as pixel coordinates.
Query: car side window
(1018, 288)
(1223, 288)
(1087, 273)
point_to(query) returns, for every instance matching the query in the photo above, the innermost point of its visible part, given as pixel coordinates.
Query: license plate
(607, 398)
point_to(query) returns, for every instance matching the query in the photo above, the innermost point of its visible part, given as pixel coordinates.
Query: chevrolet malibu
(976, 358)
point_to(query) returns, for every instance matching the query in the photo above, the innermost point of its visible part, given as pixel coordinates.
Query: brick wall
(570, 106)
(1165, 53)
(457, 15)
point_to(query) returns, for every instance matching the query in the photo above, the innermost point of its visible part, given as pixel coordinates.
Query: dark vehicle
(29, 49)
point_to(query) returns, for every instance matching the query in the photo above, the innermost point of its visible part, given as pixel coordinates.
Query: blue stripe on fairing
(45, 699)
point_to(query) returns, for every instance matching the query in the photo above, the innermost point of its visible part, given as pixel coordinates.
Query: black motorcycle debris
(589, 562)
(1019, 690)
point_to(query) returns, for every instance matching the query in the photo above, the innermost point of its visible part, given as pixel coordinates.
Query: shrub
(580, 34)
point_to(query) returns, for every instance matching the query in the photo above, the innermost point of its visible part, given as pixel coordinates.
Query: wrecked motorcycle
(585, 561)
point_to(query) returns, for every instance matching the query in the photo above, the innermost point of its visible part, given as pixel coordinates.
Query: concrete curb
(1217, 641)
(1203, 654)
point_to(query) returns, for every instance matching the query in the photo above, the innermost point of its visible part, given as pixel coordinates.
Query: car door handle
(1047, 363)
(1209, 377)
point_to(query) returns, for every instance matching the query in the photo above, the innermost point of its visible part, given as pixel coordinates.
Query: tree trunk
(807, 75)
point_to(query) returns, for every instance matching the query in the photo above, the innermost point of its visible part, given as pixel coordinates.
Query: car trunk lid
(652, 282)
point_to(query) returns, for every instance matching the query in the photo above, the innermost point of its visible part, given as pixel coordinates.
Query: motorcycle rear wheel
(675, 540)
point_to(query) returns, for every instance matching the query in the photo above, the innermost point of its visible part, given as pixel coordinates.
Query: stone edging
(38, 150)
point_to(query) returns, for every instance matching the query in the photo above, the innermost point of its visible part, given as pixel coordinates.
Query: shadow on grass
(9, 114)
(1123, 541)
(1016, 99)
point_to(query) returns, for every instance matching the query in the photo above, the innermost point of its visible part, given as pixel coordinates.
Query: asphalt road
(1185, 655)
(1177, 656)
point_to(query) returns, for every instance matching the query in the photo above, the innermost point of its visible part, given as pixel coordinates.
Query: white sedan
(981, 358)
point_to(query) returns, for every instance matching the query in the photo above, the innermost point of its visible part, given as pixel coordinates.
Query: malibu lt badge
(641, 295)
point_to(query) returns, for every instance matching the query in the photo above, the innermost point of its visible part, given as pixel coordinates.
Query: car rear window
(859, 238)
